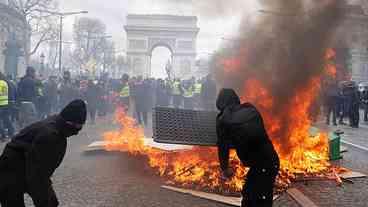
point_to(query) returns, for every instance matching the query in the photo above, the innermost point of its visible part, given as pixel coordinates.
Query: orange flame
(300, 152)
(186, 167)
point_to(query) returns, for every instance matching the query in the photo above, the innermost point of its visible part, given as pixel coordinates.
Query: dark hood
(227, 97)
(75, 111)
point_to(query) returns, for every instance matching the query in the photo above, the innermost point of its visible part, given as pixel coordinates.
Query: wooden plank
(95, 146)
(233, 201)
(229, 200)
(166, 147)
(100, 146)
(352, 174)
(299, 197)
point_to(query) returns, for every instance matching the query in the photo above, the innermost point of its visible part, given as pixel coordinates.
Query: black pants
(13, 183)
(92, 114)
(331, 109)
(15, 198)
(365, 112)
(6, 123)
(125, 102)
(258, 189)
(354, 115)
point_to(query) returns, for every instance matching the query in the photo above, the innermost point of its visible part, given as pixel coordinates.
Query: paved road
(116, 179)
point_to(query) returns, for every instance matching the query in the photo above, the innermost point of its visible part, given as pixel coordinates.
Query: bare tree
(90, 42)
(121, 64)
(109, 56)
(43, 25)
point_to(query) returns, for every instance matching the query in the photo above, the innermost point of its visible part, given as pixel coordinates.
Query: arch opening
(161, 59)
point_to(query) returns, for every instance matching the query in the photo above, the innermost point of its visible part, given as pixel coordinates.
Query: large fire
(301, 152)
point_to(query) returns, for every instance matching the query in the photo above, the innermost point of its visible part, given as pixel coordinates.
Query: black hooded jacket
(240, 126)
(33, 155)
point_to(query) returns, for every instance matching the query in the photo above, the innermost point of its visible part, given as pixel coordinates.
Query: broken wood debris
(352, 174)
(233, 201)
(101, 146)
(300, 198)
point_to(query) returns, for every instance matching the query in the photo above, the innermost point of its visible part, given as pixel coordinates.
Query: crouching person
(33, 155)
(240, 126)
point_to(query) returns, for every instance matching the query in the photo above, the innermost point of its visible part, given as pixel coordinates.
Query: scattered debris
(337, 177)
(233, 201)
(348, 175)
(101, 146)
(300, 198)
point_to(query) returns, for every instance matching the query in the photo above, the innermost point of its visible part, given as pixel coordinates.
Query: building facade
(352, 39)
(14, 33)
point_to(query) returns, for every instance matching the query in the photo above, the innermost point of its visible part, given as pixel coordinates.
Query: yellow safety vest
(4, 93)
(188, 93)
(40, 91)
(176, 88)
(197, 88)
(125, 92)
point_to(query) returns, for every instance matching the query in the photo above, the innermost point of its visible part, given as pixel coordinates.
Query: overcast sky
(213, 25)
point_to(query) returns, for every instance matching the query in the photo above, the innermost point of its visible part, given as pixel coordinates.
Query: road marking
(354, 145)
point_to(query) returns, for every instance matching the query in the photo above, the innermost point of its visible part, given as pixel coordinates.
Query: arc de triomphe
(177, 33)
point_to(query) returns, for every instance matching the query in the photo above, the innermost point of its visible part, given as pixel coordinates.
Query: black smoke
(284, 50)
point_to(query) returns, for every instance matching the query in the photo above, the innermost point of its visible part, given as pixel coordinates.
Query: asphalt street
(104, 179)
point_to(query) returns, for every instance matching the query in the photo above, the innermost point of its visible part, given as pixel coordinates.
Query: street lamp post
(42, 59)
(61, 16)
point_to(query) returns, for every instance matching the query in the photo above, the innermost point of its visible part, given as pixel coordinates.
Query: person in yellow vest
(177, 92)
(125, 92)
(188, 94)
(4, 109)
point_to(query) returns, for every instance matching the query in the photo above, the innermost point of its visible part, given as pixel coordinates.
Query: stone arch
(177, 33)
(185, 67)
(158, 45)
(167, 45)
(138, 66)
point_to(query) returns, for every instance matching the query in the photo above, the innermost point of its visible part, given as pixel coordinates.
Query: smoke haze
(284, 50)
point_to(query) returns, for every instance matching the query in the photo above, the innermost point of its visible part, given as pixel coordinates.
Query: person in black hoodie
(27, 95)
(92, 98)
(240, 126)
(33, 155)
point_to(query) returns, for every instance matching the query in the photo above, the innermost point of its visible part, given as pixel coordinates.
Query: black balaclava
(227, 97)
(76, 113)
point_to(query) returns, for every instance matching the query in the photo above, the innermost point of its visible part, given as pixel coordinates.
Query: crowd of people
(345, 100)
(32, 98)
